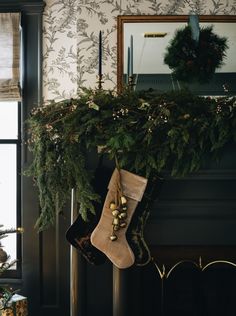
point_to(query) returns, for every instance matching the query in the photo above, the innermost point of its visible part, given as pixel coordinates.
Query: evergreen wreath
(146, 132)
(195, 61)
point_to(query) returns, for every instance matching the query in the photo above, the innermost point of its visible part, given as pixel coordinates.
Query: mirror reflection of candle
(131, 55)
(194, 26)
(128, 65)
(100, 54)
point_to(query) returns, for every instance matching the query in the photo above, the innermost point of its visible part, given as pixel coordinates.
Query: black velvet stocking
(79, 232)
(135, 232)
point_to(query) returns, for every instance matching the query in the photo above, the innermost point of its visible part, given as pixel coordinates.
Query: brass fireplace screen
(190, 288)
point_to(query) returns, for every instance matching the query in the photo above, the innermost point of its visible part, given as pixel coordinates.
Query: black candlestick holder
(100, 82)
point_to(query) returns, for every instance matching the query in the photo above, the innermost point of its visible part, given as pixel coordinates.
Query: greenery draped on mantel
(146, 132)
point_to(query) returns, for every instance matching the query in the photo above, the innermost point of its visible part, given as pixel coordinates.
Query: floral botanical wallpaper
(71, 34)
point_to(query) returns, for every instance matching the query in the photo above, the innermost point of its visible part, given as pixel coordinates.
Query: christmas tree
(5, 263)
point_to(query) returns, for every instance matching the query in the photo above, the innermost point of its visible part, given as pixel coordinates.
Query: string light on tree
(6, 292)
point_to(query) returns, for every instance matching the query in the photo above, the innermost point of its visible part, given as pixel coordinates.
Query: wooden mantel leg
(120, 292)
(77, 272)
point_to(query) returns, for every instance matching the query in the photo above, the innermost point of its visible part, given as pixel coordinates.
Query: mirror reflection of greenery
(146, 132)
(195, 61)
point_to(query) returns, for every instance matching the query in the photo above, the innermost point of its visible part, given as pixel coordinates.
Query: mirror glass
(147, 53)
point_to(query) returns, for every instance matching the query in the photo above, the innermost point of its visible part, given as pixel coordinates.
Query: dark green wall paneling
(45, 258)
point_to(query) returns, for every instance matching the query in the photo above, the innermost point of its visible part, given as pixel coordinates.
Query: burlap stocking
(78, 234)
(125, 191)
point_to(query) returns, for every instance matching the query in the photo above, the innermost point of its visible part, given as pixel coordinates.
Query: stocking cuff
(133, 186)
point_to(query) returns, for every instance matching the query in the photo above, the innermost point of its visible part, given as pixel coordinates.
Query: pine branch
(148, 132)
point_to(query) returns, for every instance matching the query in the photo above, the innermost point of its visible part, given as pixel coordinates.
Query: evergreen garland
(195, 61)
(146, 132)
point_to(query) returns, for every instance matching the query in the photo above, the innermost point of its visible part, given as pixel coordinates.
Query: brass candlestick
(100, 82)
(131, 83)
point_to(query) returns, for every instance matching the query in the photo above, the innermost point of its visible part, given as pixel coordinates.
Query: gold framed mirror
(151, 35)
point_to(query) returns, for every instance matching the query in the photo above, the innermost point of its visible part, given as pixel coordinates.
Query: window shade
(10, 57)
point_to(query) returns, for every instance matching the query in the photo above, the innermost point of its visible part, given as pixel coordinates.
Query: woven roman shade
(10, 57)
